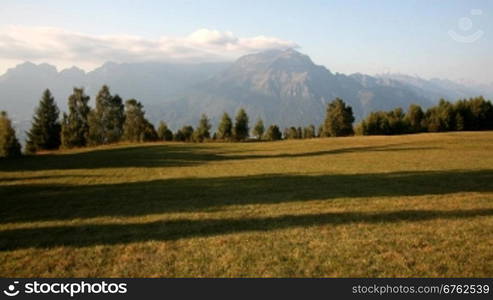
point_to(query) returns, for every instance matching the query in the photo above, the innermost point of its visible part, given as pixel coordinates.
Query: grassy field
(416, 205)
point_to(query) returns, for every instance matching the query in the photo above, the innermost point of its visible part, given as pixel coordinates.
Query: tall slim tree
(75, 126)
(273, 133)
(106, 120)
(415, 118)
(339, 119)
(225, 128)
(45, 127)
(309, 132)
(163, 132)
(240, 131)
(259, 129)
(202, 132)
(134, 126)
(9, 145)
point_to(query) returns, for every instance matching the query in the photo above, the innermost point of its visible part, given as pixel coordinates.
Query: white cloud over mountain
(66, 48)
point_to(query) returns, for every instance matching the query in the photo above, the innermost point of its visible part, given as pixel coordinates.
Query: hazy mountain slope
(282, 87)
(22, 86)
(434, 89)
(286, 88)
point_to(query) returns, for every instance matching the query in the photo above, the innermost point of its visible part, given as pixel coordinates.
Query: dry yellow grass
(414, 205)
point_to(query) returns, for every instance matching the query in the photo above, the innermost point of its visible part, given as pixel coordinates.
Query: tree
(259, 129)
(149, 134)
(339, 119)
(202, 132)
(291, 133)
(299, 133)
(106, 120)
(9, 145)
(163, 132)
(273, 133)
(309, 132)
(136, 127)
(75, 126)
(45, 127)
(441, 117)
(415, 117)
(241, 129)
(187, 132)
(225, 129)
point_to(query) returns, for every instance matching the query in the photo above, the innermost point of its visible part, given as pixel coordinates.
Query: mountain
(284, 87)
(152, 83)
(435, 88)
(281, 86)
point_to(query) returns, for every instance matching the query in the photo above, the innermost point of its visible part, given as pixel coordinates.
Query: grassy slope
(419, 205)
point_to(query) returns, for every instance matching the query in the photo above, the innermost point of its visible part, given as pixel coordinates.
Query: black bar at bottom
(327, 288)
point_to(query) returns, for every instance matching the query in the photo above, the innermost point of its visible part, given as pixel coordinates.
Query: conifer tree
(135, 126)
(241, 129)
(187, 132)
(273, 133)
(202, 132)
(163, 132)
(9, 145)
(259, 129)
(299, 133)
(106, 120)
(309, 132)
(339, 119)
(225, 128)
(75, 127)
(45, 127)
(415, 118)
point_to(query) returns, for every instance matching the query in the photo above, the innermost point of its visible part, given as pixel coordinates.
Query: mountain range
(280, 86)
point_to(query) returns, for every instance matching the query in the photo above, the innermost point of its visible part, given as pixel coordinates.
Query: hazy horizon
(426, 39)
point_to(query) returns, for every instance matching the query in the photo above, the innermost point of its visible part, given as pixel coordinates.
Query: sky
(428, 38)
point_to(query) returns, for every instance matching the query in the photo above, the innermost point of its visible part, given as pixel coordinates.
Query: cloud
(65, 48)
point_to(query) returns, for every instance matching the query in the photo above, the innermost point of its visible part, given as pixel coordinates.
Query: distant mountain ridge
(281, 86)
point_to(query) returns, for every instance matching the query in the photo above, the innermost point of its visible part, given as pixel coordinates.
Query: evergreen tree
(309, 132)
(75, 126)
(320, 131)
(136, 127)
(225, 128)
(179, 136)
(241, 129)
(441, 117)
(415, 117)
(299, 133)
(45, 127)
(339, 119)
(163, 132)
(187, 132)
(106, 120)
(202, 132)
(259, 129)
(273, 133)
(9, 145)
(149, 134)
(291, 133)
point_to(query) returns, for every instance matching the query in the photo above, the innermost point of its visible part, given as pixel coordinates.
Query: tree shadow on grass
(110, 234)
(43, 202)
(162, 155)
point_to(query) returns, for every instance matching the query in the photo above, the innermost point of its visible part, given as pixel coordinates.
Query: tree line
(463, 115)
(112, 121)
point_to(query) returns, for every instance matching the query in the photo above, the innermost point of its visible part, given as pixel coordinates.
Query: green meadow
(381, 206)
